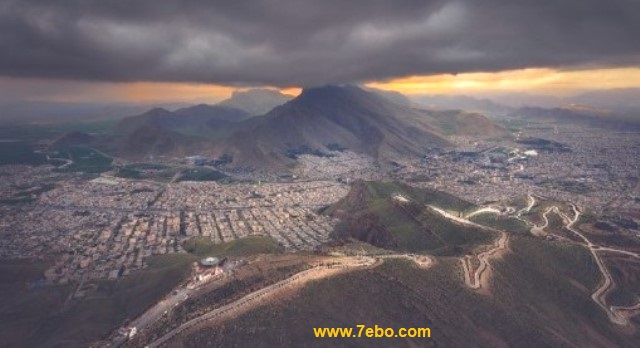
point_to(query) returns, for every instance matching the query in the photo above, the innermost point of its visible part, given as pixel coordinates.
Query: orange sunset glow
(155, 91)
(533, 80)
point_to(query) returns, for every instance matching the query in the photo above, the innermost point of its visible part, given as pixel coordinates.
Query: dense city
(106, 227)
(95, 228)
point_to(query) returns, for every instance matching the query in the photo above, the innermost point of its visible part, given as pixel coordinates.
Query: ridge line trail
(258, 297)
(482, 210)
(500, 244)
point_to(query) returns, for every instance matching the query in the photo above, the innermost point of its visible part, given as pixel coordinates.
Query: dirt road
(482, 273)
(475, 282)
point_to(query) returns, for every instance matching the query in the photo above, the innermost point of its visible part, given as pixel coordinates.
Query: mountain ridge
(317, 120)
(358, 120)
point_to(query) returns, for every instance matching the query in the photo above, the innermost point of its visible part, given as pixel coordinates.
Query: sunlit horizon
(542, 81)
(534, 81)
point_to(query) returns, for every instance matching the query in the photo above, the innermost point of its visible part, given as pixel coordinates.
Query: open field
(25, 307)
(201, 174)
(18, 152)
(45, 316)
(26, 194)
(84, 159)
(147, 171)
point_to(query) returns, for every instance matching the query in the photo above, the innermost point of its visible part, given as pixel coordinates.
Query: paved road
(617, 251)
(617, 314)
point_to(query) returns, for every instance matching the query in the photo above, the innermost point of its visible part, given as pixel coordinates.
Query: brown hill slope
(355, 119)
(458, 122)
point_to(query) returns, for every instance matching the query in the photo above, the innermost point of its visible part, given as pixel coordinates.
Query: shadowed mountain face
(161, 132)
(199, 119)
(256, 101)
(351, 117)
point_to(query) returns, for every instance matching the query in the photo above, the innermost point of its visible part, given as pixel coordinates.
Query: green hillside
(396, 216)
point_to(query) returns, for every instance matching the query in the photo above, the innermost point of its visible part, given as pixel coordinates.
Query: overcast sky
(308, 43)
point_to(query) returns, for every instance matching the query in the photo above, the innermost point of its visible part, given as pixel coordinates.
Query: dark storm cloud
(302, 42)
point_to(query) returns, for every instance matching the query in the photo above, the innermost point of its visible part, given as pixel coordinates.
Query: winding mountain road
(484, 257)
(479, 276)
(617, 314)
(538, 231)
(531, 203)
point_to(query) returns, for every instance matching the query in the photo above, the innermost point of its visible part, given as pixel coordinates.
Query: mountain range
(317, 121)
(162, 132)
